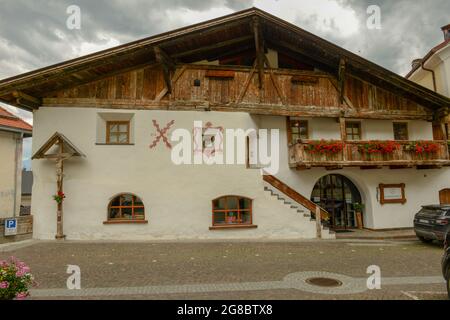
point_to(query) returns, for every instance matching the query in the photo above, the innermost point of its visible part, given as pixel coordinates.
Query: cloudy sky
(33, 33)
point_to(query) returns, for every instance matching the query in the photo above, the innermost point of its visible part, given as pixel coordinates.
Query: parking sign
(10, 227)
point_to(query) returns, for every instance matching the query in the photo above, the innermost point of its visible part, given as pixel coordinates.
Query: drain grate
(324, 282)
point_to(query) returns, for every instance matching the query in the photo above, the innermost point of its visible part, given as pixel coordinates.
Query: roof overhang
(207, 40)
(26, 133)
(67, 148)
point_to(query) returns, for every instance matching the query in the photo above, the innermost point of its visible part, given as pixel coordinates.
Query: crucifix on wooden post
(60, 149)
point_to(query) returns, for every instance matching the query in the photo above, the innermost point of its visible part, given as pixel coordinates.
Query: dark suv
(446, 262)
(432, 222)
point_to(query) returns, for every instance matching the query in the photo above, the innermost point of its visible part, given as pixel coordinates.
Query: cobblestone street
(233, 270)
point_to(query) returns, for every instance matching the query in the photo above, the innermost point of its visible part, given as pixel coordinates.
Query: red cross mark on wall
(162, 134)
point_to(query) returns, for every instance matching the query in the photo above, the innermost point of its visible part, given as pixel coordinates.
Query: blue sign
(10, 227)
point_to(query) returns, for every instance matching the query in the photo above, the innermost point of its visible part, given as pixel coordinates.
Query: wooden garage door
(444, 196)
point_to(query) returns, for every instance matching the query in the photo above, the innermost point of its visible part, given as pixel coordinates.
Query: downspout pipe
(17, 161)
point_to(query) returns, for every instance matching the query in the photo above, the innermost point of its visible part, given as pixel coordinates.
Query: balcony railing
(356, 153)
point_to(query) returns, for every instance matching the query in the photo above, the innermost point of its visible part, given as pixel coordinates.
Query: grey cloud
(410, 28)
(29, 29)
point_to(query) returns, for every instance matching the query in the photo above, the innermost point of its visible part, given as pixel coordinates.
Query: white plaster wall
(384, 129)
(177, 198)
(446, 75)
(322, 128)
(377, 130)
(7, 173)
(440, 63)
(329, 129)
(422, 186)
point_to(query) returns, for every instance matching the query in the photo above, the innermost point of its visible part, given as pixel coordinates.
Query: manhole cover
(324, 282)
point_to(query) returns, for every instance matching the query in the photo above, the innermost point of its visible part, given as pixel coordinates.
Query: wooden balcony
(352, 155)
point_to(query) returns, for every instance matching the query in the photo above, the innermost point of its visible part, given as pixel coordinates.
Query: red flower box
(325, 147)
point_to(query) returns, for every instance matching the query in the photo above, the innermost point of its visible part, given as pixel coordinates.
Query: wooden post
(341, 79)
(259, 46)
(59, 183)
(318, 223)
(343, 137)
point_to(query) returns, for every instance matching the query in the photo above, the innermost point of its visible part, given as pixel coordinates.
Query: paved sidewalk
(233, 270)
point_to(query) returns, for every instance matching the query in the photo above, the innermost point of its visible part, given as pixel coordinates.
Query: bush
(15, 279)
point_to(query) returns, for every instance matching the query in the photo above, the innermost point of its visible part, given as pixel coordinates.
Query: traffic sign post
(10, 227)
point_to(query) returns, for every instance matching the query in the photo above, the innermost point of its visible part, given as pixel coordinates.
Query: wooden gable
(159, 73)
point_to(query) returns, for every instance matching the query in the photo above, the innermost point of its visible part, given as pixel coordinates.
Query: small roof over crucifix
(65, 149)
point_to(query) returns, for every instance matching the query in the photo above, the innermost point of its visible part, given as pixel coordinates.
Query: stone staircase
(298, 208)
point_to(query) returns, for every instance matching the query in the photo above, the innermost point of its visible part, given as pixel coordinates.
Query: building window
(126, 208)
(232, 211)
(299, 130)
(118, 132)
(400, 131)
(353, 130)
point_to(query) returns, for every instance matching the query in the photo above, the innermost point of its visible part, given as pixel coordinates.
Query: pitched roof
(8, 121)
(207, 41)
(428, 56)
(68, 147)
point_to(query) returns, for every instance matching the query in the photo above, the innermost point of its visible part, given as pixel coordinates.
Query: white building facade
(344, 143)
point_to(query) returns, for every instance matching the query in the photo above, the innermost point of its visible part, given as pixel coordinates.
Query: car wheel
(448, 280)
(448, 287)
(425, 240)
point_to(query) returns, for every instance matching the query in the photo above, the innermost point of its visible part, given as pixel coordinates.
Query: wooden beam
(344, 98)
(428, 167)
(26, 100)
(212, 47)
(167, 64)
(343, 129)
(333, 168)
(238, 106)
(275, 82)
(246, 84)
(257, 33)
(178, 73)
(341, 79)
(296, 55)
(300, 50)
(401, 167)
(231, 52)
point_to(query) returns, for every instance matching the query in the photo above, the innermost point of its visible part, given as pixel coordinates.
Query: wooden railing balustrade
(353, 153)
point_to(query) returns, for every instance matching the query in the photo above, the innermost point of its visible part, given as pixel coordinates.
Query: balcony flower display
(423, 147)
(383, 147)
(325, 147)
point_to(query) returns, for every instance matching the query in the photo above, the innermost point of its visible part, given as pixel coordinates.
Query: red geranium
(325, 147)
(384, 147)
(59, 197)
(425, 147)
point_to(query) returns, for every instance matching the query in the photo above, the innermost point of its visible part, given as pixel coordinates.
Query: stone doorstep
(405, 234)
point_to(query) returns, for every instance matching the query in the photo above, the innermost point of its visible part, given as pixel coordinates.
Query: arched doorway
(337, 195)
